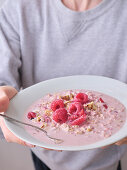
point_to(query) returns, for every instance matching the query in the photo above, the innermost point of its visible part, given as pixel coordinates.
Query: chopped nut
(44, 125)
(92, 106)
(75, 126)
(71, 129)
(38, 114)
(65, 127)
(67, 106)
(67, 97)
(66, 102)
(79, 132)
(89, 129)
(38, 118)
(48, 112)
(71, 96)
(82, 129)
(111, 108)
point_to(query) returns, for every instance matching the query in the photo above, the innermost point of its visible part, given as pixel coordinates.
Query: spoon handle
(27, 124)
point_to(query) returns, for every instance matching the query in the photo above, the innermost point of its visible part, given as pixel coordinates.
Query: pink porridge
(78, 117)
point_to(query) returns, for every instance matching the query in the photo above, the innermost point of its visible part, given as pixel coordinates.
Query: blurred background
(16, 157)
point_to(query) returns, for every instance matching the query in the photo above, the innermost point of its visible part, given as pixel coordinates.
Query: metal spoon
(27, 124)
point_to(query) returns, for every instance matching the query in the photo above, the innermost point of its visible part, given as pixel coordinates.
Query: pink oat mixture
(79, 117)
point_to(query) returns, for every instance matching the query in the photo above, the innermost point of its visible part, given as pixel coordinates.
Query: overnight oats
(78, 117)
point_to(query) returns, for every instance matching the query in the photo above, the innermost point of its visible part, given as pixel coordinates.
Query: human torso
(57, 42)
(54, 46)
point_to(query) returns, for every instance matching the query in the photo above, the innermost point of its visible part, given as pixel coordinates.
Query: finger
(4, 102)
(123, 141)
(9, 91)
(10, 137)
(6, 93)
(104, 147)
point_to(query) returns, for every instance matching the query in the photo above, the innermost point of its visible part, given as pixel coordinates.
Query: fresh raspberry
(72, 117)
(75, 108)
(81, 97)
(79, 120)
(101, 100)
(105, 106)
(60, 115)
(56, 104)
(82, 112)
(31, 115)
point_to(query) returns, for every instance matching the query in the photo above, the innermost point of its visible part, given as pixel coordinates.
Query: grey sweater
(42, 39)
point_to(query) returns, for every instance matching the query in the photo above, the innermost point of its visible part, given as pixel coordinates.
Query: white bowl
(20, 103)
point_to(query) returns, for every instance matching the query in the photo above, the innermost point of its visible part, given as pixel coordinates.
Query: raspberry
(60, 115)
(81, 112)
(81, 97)
(105, 106)
(56, 104)
(31, 115)
(75, 108)
(79, 120)
(101, 100)
(72, 117)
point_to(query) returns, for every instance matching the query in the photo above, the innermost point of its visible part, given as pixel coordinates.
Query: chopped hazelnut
(38, 119)
(44, 125)
(89, 129)
(48, 112)
(71, 96)
(92, 106)
(79, 132)
(67, 97)
(66, 102)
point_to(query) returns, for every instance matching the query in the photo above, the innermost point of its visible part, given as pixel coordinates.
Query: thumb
(6, 93)
(9, 91)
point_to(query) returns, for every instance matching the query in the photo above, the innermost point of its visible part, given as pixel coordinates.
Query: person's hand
(120, 142)
(7, 93)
